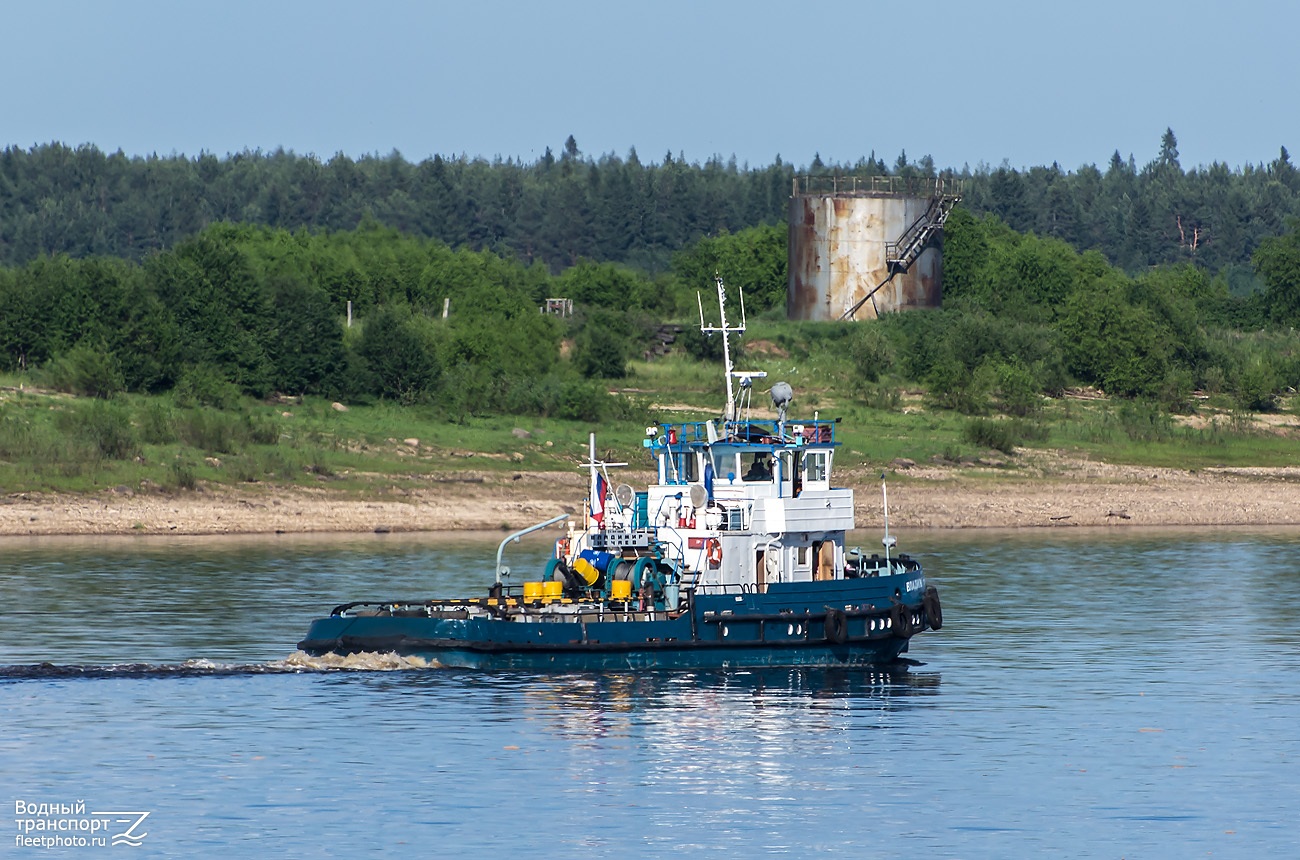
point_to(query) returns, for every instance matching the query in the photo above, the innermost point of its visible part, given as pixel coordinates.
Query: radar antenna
(782, 394)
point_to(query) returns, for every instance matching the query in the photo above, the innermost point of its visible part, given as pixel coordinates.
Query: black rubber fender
(933, 608)
(901, 618)
(836, 626)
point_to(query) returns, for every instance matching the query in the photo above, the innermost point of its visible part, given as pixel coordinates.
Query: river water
(1092, 694)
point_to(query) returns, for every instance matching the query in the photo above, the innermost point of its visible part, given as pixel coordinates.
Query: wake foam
(296, 663)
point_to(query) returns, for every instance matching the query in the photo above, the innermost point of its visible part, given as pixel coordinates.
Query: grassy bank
(55, 442)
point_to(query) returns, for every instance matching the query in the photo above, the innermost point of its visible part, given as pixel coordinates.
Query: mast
(730, 413)
(889, 540)
(595, 470)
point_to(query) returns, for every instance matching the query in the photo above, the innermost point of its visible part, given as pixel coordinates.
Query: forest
(260, 275)
(56, 199)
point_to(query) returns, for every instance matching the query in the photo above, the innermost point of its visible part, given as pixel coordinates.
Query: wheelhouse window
(757, 466)
(814, 465)
(789, 480)
(683, 467)
(724, 464)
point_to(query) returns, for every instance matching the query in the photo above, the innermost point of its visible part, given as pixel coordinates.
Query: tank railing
(852, 186)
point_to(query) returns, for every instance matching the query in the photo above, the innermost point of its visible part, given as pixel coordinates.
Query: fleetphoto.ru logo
(129, 836)
(69, 825)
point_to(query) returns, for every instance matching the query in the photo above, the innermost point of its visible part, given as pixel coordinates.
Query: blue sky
(967, 83)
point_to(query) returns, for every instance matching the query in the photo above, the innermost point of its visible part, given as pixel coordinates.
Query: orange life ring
(714, 552)
(562, 548)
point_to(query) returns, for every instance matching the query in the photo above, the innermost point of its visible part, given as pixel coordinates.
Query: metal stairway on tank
(900, 255)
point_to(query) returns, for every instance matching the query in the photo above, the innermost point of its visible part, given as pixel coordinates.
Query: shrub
(1017, 389)
(209, 430)
(600, 353)
(158, 423)
(261, 431)
(1256, 389)
(88, 370)
(183, 476)
(401, 352)
(871, 352)
(1003, 436)
(1175, 393)
(104, 427)
(582, 401)
(204, 385)
(954, 386)
(886, 398)
(988, 433)
(1143, 421)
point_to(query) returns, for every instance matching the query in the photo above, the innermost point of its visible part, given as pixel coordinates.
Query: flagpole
(597, 489)
(591, 461)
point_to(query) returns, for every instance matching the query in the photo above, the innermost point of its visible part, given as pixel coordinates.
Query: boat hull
(814, 625)
(473, 655)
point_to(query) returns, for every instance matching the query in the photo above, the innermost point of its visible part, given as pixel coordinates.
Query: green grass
(56, 442)
(1230, 440)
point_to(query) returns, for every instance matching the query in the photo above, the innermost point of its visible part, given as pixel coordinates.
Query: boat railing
(875, 565)
(502, 570)
(755, 430)
(724, 588)
(736, 516)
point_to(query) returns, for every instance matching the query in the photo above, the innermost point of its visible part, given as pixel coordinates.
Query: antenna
(730, 413)
(746, 378)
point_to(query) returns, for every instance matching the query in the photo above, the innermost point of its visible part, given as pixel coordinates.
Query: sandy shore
(1047, 493)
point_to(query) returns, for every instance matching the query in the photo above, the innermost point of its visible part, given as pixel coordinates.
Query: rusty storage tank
(864, 246)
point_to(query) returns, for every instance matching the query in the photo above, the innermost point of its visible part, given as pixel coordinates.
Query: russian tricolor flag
(598, 501)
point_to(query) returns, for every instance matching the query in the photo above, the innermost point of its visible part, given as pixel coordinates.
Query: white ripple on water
(365, 661)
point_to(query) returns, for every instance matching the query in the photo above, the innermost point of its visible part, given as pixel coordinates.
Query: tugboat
(734, 558)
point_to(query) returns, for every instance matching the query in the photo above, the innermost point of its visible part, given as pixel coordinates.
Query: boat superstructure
(734, 556)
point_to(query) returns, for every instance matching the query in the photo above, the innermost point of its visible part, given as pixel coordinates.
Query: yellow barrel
(532, 590)
(552, 588)
(620, 589)
(584, 568)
